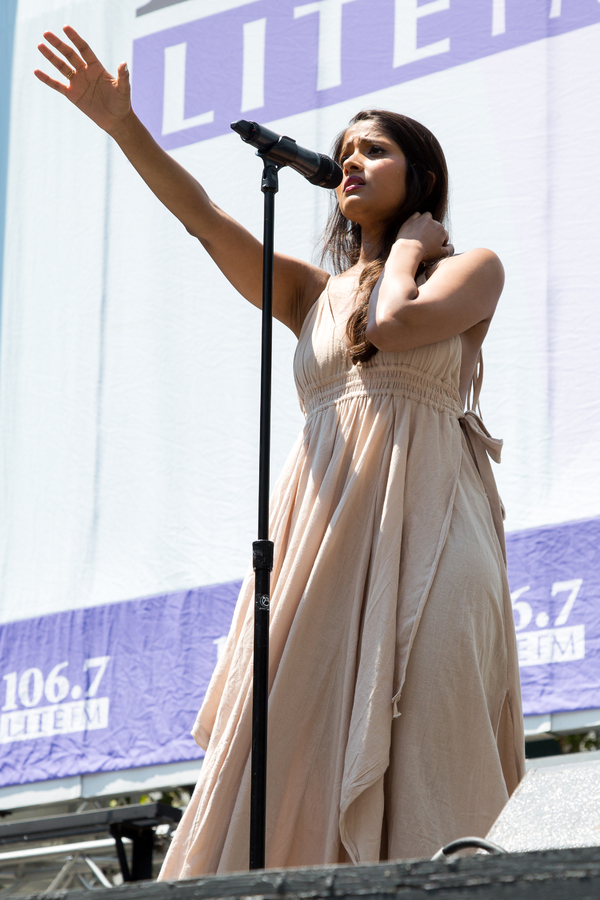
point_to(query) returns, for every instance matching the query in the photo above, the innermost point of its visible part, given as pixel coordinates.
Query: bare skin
(458, 299)
(107, 101)
(460, 296)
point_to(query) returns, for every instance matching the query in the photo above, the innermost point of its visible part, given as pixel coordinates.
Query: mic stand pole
(262, 549)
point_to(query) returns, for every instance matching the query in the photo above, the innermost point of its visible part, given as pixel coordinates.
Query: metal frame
(133, 824)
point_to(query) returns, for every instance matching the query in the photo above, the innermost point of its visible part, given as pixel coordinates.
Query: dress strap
(311, 312)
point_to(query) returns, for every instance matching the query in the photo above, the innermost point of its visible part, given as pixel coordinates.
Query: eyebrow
(366, 139)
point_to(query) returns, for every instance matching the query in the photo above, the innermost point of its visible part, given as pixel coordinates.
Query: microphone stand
(275, 151)
(262, 549)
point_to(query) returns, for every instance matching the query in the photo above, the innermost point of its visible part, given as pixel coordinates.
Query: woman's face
(374, 183)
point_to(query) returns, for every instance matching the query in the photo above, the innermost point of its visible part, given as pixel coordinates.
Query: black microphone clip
(316, 167)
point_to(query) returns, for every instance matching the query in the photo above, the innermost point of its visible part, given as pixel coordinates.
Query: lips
(352, 183)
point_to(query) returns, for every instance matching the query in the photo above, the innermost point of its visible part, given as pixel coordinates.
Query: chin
(351, 211)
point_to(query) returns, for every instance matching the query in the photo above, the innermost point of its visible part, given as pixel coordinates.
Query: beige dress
(395, 719)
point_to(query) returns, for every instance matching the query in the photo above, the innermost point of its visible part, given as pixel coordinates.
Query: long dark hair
(426, 191)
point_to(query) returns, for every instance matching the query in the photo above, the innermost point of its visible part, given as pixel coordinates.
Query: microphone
(316, 167)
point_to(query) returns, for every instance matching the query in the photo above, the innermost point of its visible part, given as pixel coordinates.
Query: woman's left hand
(430, 234)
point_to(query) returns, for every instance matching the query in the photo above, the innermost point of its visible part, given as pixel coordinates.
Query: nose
(352, 161)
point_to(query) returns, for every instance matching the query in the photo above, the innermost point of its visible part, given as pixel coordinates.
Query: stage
(544, 875)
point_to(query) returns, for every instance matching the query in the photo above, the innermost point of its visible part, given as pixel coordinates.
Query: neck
(370, 245)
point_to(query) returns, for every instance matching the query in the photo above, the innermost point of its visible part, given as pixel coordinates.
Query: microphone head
(244, 129)
(328, 175)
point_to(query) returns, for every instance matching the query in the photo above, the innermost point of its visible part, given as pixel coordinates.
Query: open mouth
(352, 184)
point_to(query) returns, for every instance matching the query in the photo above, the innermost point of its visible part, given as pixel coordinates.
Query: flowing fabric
(395, 721)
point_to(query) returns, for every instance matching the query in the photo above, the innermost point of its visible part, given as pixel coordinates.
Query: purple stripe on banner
(275, 58)
(554, 575)
(108, 688)
(118, 686)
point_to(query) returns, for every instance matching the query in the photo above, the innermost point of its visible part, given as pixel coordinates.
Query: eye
(376, 149)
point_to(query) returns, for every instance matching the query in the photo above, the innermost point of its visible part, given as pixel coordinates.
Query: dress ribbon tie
(482, 446)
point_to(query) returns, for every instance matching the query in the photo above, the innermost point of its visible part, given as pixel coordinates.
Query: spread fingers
(51, 82)
(86, 51)
(63, 67)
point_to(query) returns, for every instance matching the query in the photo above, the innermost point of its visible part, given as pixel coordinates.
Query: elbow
(395, 331)
(383, 335)
(388, 321)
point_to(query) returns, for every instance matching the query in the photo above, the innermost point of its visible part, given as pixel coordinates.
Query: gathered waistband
(400, 381)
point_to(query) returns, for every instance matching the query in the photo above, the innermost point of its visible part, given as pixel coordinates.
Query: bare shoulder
(476, 274)
(480, 260)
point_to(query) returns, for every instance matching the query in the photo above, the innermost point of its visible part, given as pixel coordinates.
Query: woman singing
(395, 721)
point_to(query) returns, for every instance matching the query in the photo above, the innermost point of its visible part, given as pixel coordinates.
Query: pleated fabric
(395, 720)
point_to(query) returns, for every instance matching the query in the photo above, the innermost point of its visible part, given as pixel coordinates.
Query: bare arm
(238, 254)
(460, 295)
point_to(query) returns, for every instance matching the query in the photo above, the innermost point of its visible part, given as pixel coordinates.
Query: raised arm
(459, 298)
(107, 101)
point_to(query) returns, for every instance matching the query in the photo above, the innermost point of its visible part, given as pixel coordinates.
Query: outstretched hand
(106, 100)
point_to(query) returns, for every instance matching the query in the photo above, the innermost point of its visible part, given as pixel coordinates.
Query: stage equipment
(550, 875)
(275, 151)
(316, 167)
(467, 843)
(557, 805)
(135, 823)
